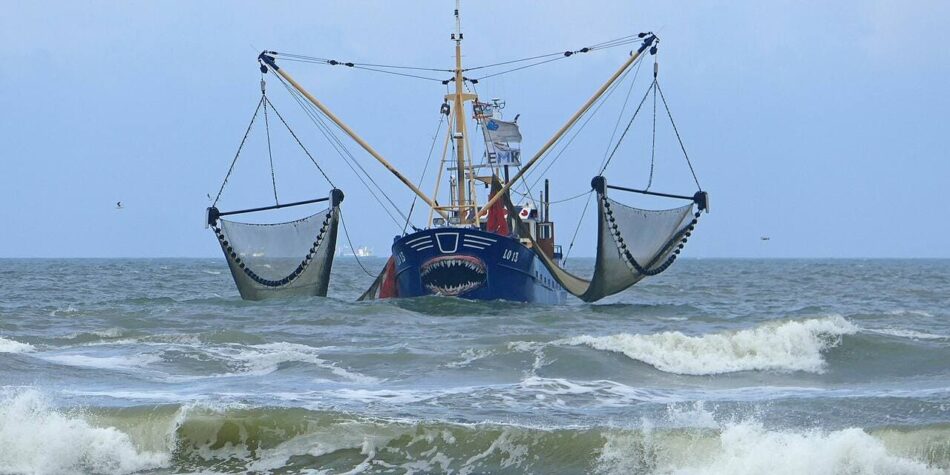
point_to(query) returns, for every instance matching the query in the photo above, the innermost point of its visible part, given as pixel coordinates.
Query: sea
(717, 366)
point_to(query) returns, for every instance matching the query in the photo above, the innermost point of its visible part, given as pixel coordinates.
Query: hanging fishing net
(283, 259)
(277, 259)
(632, 244)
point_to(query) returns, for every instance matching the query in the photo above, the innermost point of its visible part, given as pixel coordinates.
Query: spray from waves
(13, 346)
(750, 448)
(778, 346)
(34, 438)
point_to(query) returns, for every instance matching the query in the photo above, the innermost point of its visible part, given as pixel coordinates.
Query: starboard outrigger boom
(647, 42)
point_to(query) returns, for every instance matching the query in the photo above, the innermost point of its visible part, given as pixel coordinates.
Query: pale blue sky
(821, 124)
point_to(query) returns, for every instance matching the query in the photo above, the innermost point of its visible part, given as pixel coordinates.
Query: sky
(822, 125)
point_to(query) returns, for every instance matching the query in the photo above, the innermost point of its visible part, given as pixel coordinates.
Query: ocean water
(714, 367)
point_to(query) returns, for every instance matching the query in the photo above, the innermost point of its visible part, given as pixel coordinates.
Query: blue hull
(471, 264)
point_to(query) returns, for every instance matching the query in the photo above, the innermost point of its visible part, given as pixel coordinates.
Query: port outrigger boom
(267, 61)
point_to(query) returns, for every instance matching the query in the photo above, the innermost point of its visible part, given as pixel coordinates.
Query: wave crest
(13, 346)
(35, 438)
(778, 346)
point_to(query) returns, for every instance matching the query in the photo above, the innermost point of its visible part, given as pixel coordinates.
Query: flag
(502, 131)
(505, 155)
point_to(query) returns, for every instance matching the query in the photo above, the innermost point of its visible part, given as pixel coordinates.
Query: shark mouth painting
(453, 275)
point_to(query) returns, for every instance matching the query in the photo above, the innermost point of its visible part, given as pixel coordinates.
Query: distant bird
(765, 238)
(209, 196)
(118, 205)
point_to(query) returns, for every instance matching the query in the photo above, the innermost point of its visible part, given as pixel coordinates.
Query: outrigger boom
(648, 40)
(267, 58)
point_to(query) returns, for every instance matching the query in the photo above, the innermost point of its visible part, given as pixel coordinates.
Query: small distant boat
(361, 251)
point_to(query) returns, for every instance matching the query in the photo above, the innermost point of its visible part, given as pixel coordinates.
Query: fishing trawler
(487, 247)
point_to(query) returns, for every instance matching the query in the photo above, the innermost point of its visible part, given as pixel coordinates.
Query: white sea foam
(13, 346)
(712, 447)
(911, 334)
(469, 356)
(104, 362)
(748, 448)
(37, 439)
(779, 346)
(267, 358)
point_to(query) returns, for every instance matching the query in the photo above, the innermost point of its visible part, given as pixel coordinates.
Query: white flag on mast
(503, 131)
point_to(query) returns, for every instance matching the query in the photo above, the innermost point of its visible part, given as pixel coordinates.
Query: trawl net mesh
(280, 260)
(632, 244)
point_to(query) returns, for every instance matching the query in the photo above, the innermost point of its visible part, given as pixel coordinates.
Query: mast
(459, 98)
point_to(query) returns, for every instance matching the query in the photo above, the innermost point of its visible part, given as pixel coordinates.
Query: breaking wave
(749, 448)
(13, 346)
(37, 439)
(777, 346)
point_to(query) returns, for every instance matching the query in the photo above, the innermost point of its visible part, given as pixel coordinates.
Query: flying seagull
(118, 205)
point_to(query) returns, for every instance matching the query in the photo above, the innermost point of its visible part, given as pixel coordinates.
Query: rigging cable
(347, 234)
(625, 130)
(600, 102)
(385, 68)
(333, 62)
(425, 168)
(342, 151)
(238, 154)
(270, 154)
(562, 54)
(653, 144)
(578, 228)
(682, 147)
(294, 135)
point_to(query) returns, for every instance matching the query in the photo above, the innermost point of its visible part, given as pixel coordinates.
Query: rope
(333, 62)
(564, 200)
(341, 150)
(394, 73)
(292, 134)
(270, 155)
(682, 147)
(238, 154)
(520, 68)
(576, 229)
(623, 109)
(592, 112)
(365, 66)
(653, 145)
(425, 168)
(571, 198)
(563, 54)
(382, 68)
(347, 234)
(627, 129)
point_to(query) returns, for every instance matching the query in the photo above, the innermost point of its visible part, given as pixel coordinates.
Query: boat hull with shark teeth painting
(471, 264)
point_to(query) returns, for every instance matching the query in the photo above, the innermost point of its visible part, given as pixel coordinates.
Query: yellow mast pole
(459, 98)
(269, 60)
(574, 118)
